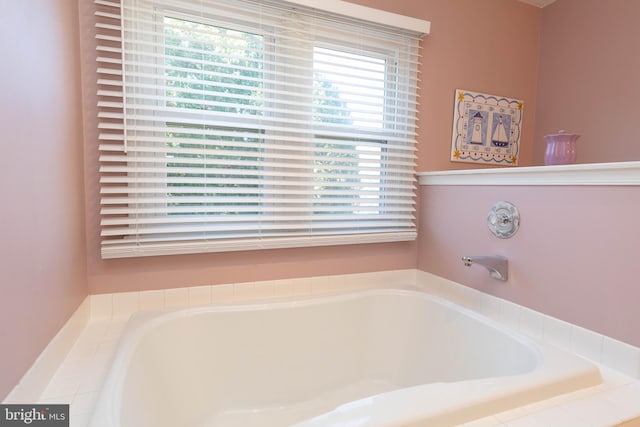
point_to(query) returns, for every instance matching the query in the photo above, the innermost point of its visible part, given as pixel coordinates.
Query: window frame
(379, 138)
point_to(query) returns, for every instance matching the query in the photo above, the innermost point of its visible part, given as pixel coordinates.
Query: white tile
(79, 420)
(176, 298)
(284, 288)
(402, 278)
(105, 351)
(557, 332)
(613, 378)
(61, 400)
(372, 279)
(513, 414)
(199, 295)
(221, 294)
(105, 354)
(116, 326)
(125, 303)
(621, 356)
(545, 405)
(101, 305)
(319, 285)
(586, 343)
(626, 399)
(437, 285)
(353, 284)
(508, 314)
(151, 300)
(484, 422)
(593, 411)
(263, 290)
(74, 367)
(553, 417)
(532, 323)
(87, 345)
(526, 422)
(62, 386)
(585, 393)
(465, 297)
(95, 331)
(490, 307)
(379, 279)
(244, 291)
(350, 282)
(83, 403)
(92, 382)
(303, 287)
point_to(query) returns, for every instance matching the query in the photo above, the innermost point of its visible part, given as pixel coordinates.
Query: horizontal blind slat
(148, 247)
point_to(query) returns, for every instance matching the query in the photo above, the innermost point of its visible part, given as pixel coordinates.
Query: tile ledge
(43, 369)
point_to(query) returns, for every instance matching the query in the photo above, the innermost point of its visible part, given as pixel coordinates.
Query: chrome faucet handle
(503, 220)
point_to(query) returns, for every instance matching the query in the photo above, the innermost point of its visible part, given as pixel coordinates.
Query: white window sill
(624, 173)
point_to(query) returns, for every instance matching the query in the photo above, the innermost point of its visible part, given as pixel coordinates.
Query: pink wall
(574, 256)
(42, 261)
(454, 57)
(589, 68)
(488, 46)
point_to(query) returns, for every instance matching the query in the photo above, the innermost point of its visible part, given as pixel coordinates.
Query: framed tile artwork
(486, 129)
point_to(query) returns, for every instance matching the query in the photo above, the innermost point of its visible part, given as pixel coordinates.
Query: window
(235, 125)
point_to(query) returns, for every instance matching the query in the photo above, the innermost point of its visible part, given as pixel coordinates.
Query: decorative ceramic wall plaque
(486, 129)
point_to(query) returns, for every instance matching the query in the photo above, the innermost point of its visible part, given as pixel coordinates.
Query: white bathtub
(369, 358)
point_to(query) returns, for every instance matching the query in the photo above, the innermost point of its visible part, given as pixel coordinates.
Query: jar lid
(563, 132)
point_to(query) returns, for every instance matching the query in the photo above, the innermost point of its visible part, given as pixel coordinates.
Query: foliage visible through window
(227, 77)
(221, 71)
(341, 99)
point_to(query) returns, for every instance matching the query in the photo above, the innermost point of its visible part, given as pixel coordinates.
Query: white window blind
(236, 125)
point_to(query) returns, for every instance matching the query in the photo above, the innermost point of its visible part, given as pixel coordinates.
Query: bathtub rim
(106, 410)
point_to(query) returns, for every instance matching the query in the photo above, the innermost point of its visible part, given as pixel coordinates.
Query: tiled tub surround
(394, 357)
(617, 400)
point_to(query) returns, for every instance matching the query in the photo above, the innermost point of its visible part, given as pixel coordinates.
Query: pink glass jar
(561, 148)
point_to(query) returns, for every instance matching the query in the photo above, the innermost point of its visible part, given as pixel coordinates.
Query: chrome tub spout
(497, 265)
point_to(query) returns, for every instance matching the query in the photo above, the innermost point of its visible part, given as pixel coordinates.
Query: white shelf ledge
(624, 173)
